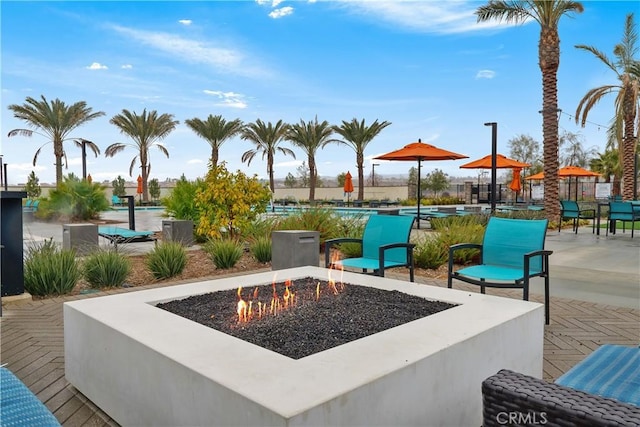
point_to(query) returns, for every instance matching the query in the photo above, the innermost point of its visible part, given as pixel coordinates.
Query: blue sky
(427, 67)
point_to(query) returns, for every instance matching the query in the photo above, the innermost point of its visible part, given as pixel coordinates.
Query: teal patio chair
(511, 253)
(116, 201)
(571, 209)
(622, 211)
(385, 244)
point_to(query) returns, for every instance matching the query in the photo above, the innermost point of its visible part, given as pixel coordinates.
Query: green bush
(224, 253)
(324, 221)
(48, 270)
(261, 248)
(106, 268)
(181, 203)
(461, 231)
(74, 199)
(429, 252)
(166, 260)
(351, 227)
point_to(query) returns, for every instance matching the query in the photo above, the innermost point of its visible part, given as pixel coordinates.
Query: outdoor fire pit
(144, 365)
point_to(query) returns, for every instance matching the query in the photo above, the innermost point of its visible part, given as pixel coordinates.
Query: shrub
(224, 253)
(106, 268)
(351, 227)
(166, 260)
(429, 252)
(181, 203)
(229, 202)
(261, 248)
(461, 231)
(48, 270)
(324, 221)
(75, 199)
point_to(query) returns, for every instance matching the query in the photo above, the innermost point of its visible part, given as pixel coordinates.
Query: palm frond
(20, 132)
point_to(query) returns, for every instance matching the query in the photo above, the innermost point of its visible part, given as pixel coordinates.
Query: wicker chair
(511, 398)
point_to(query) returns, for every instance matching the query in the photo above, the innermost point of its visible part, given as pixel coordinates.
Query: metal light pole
(373, 173)
(494, 152)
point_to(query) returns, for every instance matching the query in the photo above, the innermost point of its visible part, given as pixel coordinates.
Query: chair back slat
(620, 210)
(383, 230)
(506, 240)
(569, 206)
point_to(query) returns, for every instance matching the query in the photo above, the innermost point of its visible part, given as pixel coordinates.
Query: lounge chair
(116, 201)
(512, 252)
(571, 209)
(124, 235)
(385, 244)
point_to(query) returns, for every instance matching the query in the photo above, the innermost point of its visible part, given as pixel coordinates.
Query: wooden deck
(32, 345)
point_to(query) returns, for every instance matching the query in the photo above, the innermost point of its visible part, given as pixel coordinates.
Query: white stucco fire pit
(146, 366)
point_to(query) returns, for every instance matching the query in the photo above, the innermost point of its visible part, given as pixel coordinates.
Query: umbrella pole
(419, 191)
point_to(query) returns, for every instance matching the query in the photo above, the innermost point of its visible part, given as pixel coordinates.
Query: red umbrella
(420, 151)
(348, 185)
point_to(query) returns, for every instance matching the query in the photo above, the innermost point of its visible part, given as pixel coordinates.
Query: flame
(254, 309)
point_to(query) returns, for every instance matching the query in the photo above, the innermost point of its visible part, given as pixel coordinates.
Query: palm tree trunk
(145, 177)
(628, 146)
(270, 172)
(214, 158)
(58, 152)
(549, 57)
(360, 164)
(312, 179)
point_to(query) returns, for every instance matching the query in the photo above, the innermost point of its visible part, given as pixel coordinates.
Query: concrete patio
(595, 288)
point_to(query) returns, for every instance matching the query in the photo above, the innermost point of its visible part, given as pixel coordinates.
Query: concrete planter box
(146, 366)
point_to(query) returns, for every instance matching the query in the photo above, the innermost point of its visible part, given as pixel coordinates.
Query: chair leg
(546, 299)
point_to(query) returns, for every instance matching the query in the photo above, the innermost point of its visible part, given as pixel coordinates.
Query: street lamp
(373, 173)
(494, 154)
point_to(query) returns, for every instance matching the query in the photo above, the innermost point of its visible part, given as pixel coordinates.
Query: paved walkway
(595, 300)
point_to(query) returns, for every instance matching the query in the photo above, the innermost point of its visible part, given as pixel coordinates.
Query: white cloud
(96, 66)
(27, 167)
(279, 13)
(290, 163)
(223, 58)
(126, 66)
(263, 2)
(442, 17)
(485, 74)
(275, 3)
(194, 162)
(228, 99)
(186, 22)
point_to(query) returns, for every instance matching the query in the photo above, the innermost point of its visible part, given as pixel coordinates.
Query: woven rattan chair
(512, 398)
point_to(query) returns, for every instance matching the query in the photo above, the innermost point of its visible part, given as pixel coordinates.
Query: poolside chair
(622, 211)
(20, 407)
(385, 244)
(116, 201)
(571, 209)
(512, 252)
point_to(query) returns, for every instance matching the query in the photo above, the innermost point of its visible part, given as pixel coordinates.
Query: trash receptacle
(81, 237)
(294, 248)
(11, 243)
(175, 230)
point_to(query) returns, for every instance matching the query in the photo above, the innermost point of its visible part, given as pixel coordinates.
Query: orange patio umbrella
(348, 185)
(567, 172)
(535, 177)
(419, 151)
(502, 162)
(139, 189)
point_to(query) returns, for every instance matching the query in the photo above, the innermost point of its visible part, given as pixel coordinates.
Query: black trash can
(11, 243)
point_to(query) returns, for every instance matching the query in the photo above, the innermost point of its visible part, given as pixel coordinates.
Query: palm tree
(215, 130)
(266, 138)
(55, 121)
(547, 13)
(358, 135)
(309, 136)
(607, 164)
(146, 130)
(627, 102)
